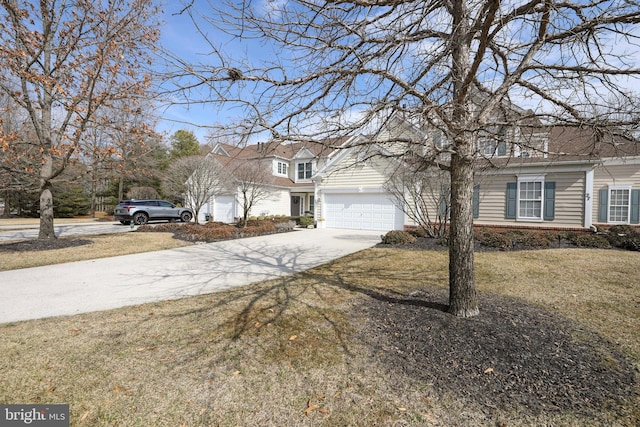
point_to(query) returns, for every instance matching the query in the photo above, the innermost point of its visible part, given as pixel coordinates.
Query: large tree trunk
(46, 214)
(46, 169)
(46, 200)
(463, 300)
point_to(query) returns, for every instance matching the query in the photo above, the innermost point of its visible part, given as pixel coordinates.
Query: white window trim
(619, 187)
(530, 178)
(277, 166)
(304, 163)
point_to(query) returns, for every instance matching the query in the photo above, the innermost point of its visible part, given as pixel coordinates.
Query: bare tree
(142, 193)
(195, 179)
(450, 65)
(423, 195)
(254, 182)
(121, 140)
(15, 179)
(62, 61)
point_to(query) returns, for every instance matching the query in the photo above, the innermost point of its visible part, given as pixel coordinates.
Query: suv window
(164, 204)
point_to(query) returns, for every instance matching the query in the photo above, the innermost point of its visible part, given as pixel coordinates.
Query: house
(528, 176)
(282, 174)
(578, 183)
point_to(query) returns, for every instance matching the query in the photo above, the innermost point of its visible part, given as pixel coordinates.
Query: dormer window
(305, 170)
(282, 168)
(491, 148)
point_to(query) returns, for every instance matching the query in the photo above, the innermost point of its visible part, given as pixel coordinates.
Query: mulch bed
(431, 244)
(513, 356)
(43, 244)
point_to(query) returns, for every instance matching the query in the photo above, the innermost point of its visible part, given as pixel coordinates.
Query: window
(490, 148)
(619, 204)
(305, 170)
(282, 168)
(530, 199)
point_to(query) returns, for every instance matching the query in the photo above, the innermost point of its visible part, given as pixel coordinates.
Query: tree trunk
(46, 202)
(46, 169)
(120, 189)
(463, 300)
(94, 190)
(7, 205)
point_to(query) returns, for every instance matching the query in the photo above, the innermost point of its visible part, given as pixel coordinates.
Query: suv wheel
(186, 216)
(140, 218)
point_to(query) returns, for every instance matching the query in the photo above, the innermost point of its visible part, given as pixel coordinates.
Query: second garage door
(223, 209)
(362, 212)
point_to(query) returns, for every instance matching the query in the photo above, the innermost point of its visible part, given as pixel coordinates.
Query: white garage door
(362, 212)
(223, 209)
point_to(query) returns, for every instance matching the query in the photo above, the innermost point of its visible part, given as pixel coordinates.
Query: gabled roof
(261, 150)
(230, 156)
(568, 143)
(548, 143)
(581, 143)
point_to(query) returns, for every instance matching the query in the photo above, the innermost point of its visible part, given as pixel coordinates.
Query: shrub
(589, 240)
(624, 237)
(305, 221)
(397, 237)
(214, 224)
(213, 233)
(494, 239)
(161, 228)
(285, 226)
(418, 232)
(533, 240)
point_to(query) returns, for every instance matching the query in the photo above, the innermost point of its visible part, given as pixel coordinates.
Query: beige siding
(569, 201)
(570, 198)
(371, 173)
(604, 176)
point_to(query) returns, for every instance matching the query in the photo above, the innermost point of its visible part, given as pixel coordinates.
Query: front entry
(296, 206)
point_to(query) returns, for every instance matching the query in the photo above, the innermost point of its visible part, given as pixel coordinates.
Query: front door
(295, 205)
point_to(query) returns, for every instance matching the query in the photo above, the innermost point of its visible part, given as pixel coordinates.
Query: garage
(223, 209)
(362, 211)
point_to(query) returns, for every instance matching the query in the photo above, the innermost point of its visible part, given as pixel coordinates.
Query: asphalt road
(22, 232)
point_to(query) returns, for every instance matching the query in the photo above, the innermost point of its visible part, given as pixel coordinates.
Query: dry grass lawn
(288, 351)
(101, 246)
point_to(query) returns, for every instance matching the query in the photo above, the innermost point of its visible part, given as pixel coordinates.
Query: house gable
(304, 153)
(219, 150)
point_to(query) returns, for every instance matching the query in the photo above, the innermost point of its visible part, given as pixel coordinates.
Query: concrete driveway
(20, 232)
(85, 286)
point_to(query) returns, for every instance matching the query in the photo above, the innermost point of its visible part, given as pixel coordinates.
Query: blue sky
(179, 35)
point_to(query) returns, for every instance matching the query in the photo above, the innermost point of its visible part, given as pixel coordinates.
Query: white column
(588, 198)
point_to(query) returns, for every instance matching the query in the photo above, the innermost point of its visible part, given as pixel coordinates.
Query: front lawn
(362, 341)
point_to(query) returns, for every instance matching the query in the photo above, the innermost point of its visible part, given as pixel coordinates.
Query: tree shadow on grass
(513, 356)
